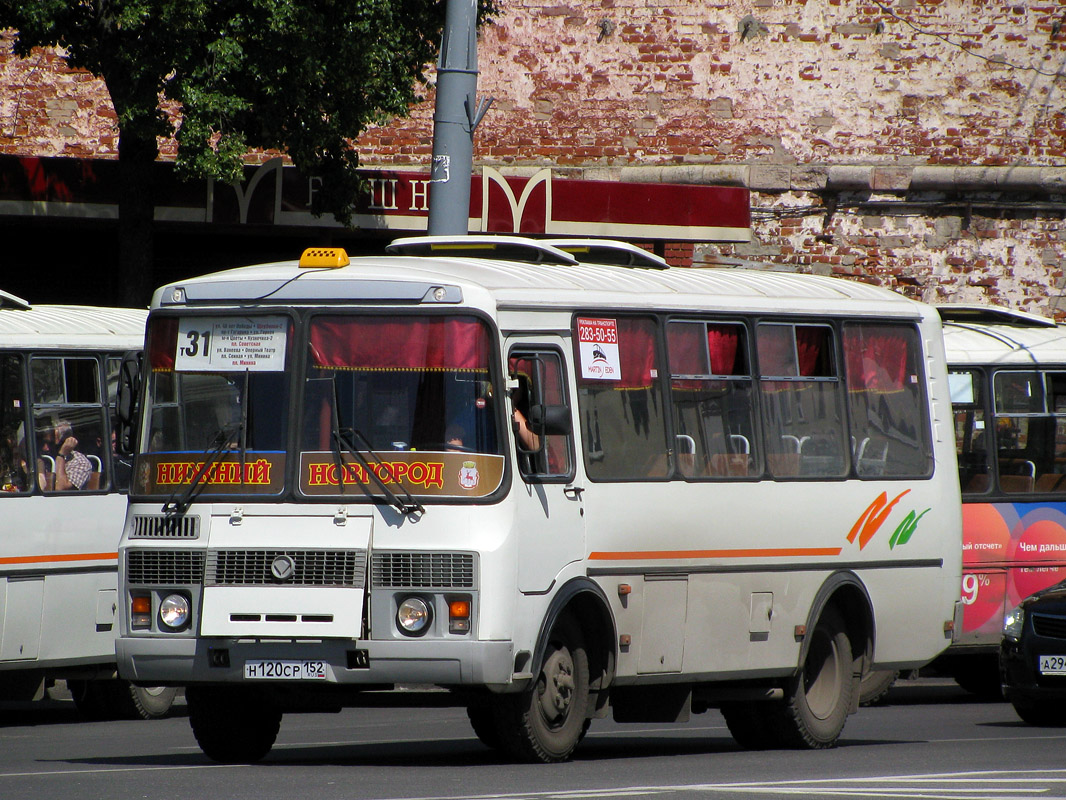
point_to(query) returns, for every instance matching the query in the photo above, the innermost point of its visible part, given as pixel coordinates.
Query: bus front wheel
(232, 725)
(818, 700)
(546, 722)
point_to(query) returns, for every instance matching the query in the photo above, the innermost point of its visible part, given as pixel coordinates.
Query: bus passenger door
(549, 517)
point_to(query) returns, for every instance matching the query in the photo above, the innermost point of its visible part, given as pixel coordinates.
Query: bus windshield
(388, 404)
(217, 406)
(400, 388)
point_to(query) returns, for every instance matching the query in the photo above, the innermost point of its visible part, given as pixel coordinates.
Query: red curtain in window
(723, 342)
(875, 357)
(162, 343)
(636, 352)
(551, 387)
(684, 344)
(812, 349)
(411, 343)
(776, 354)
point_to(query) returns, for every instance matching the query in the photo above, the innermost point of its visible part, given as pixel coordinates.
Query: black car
(1032, 657)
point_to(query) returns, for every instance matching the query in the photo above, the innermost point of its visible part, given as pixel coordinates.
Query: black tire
(979, 675)
(875, 685)
(1044, 714)
(100, 700)
(232, 725)
(818, 700)
(751, 725)
(151, 702)
(545, 723)
(95, 700)
(483, 720)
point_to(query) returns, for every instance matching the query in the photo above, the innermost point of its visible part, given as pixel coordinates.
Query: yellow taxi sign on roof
(328, 257)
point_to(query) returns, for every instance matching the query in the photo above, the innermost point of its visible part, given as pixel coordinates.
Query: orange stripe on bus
(761, 553)
(58, 558)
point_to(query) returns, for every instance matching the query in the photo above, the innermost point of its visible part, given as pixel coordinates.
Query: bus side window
(1030, 419)
(802, 405)
(971, 441)
(68, 402)
(620, 399)
(889, 423)
(542, 382)
(711, 395)
(15, 475)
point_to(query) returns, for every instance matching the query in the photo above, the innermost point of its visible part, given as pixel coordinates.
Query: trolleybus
(62, 503)
(1007, 371)
(559, 480)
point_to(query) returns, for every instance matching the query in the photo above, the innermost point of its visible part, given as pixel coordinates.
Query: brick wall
(918, 145)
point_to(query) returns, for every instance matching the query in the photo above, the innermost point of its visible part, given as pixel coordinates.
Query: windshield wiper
(346, 438)
(177, 504)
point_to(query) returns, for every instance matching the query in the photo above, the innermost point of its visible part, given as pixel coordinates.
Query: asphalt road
(930, 740)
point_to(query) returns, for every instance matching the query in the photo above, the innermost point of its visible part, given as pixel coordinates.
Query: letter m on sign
(516, 205)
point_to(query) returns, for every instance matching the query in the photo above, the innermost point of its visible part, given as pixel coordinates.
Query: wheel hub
(557, 688)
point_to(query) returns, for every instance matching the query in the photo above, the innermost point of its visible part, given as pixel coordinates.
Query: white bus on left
(62, 503)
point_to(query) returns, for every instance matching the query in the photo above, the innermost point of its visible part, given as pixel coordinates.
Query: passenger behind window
(13, 472)
(72, 468)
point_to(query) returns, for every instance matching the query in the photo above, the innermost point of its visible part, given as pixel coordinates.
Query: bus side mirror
(129, 386)
(550, 420)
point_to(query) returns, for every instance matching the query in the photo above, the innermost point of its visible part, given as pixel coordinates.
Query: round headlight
(174, 611)
(413, 615)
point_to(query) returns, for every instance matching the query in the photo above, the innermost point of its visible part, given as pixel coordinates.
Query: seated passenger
(72, 468)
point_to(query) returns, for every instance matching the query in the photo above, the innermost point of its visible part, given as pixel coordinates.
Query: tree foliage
(304, 77)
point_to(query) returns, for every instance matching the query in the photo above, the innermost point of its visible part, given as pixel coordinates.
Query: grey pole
(454, 120)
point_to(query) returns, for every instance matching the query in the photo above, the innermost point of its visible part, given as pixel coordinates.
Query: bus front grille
(161, 526)
(286, 567)
(168, 567)
(423, 570)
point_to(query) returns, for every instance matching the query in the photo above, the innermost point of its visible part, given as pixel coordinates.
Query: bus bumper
(157, 661)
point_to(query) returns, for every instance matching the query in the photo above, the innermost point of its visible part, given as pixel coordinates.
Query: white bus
(1008, 375)
(62, 504)
(560, 481)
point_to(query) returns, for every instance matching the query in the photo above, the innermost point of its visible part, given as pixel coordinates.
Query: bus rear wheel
(232, 725)
(818, 700)
(546, 722)
(752, 725)
(875, 684)
(118, 699)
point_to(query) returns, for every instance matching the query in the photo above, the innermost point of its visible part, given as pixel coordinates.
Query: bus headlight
(174, 611)
(1013, 624)
(413, 616)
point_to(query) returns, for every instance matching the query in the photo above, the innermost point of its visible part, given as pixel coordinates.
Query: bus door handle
(573, 492)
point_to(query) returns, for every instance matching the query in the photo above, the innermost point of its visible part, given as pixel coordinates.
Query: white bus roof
(996, 335)
(498, 284)
(61, 326)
